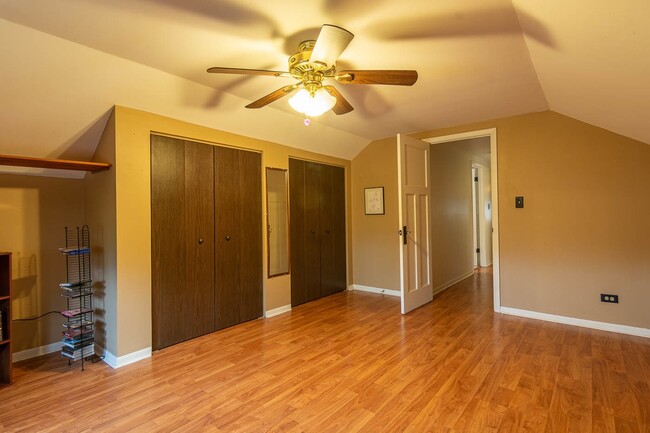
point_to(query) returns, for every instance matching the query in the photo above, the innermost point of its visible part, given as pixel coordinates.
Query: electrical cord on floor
(37, 317)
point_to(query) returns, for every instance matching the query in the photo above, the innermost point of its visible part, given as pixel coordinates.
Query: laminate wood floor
(350, 362)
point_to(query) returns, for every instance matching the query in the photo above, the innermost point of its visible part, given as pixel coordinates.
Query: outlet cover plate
(612, 299)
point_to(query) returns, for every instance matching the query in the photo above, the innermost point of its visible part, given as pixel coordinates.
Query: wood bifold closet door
(317, 215)
(206, 251)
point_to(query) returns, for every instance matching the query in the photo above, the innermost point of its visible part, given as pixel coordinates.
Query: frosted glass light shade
(312, 106)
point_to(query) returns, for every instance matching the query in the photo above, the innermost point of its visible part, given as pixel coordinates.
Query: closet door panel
(339, 261)
(312, 279)
(333, 257)
(199, 237)
(297, 230)
(327, 286)
(251, 238)
(238, 217)
(182, 294)
(227, 237)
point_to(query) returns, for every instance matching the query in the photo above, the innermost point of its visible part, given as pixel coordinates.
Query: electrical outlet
(609, 298)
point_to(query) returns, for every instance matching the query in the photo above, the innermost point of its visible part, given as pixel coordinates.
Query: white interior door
(415, 242)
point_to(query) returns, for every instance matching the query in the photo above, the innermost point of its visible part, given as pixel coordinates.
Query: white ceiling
(67, 62)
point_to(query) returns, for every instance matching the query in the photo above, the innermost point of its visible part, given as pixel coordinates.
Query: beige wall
(585, 228)
(34, 211)
(375, 238)
(99, 205)
(452, 255)
(133, 216)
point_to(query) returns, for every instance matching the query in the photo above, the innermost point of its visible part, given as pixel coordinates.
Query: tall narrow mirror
(277, 221)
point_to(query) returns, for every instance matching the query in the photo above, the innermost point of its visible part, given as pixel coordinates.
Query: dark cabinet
(5, 319)
(206, 218)
(317, 219)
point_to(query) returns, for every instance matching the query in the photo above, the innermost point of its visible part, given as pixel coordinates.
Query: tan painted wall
(451, 215)
(585, 228)
(133, 217)
(375, 237)
(34, 211)
(99, 205)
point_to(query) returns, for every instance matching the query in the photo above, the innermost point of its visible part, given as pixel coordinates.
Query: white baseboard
(36, 351)
(603, 326)
(277, 311)
(361, 288)
(117, 362)
(451, 282)
(109, 358)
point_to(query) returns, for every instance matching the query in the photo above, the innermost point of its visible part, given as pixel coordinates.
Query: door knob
(227, 238)
(200, 241)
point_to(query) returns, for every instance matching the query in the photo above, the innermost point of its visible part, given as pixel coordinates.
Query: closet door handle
(200, 241)
(312, 231)
(227, 238)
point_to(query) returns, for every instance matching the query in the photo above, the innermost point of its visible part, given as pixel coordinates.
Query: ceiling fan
(314, 64)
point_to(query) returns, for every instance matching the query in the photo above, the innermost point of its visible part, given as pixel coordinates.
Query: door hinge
(475, 178)
(478, 250)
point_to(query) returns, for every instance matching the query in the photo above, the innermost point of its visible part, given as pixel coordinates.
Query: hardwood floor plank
(351, 363)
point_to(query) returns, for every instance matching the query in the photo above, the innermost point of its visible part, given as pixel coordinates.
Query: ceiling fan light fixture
(312, 105)
(312, 66)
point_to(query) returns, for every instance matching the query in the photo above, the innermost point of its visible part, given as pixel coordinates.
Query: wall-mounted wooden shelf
(60, 164)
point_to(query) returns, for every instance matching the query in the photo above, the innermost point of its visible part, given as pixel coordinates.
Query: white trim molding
(36, 351)
(451, 282)
(277, 311)
(116, 362)
(603, 326)
(361, 288)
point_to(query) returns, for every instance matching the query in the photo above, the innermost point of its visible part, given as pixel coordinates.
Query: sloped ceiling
(67, 62)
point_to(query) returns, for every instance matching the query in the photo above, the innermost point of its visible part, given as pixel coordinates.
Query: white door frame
(483, 230)
(476, 223)
(492, 134)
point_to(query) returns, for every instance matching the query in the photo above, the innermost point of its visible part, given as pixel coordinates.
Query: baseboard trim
(118, 362)
(36, 351)
(277, 311)
(361, 288)
(602, 326)
(451, 282)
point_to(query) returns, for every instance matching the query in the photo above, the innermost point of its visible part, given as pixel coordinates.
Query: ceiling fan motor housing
(310, 73)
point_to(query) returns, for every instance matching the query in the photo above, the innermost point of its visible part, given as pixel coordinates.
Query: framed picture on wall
(374, 199)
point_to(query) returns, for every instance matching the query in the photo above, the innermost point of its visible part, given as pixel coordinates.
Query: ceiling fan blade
(242, 71)
(331, 42)
(396, 77)
(273, 96)
(342, 105)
